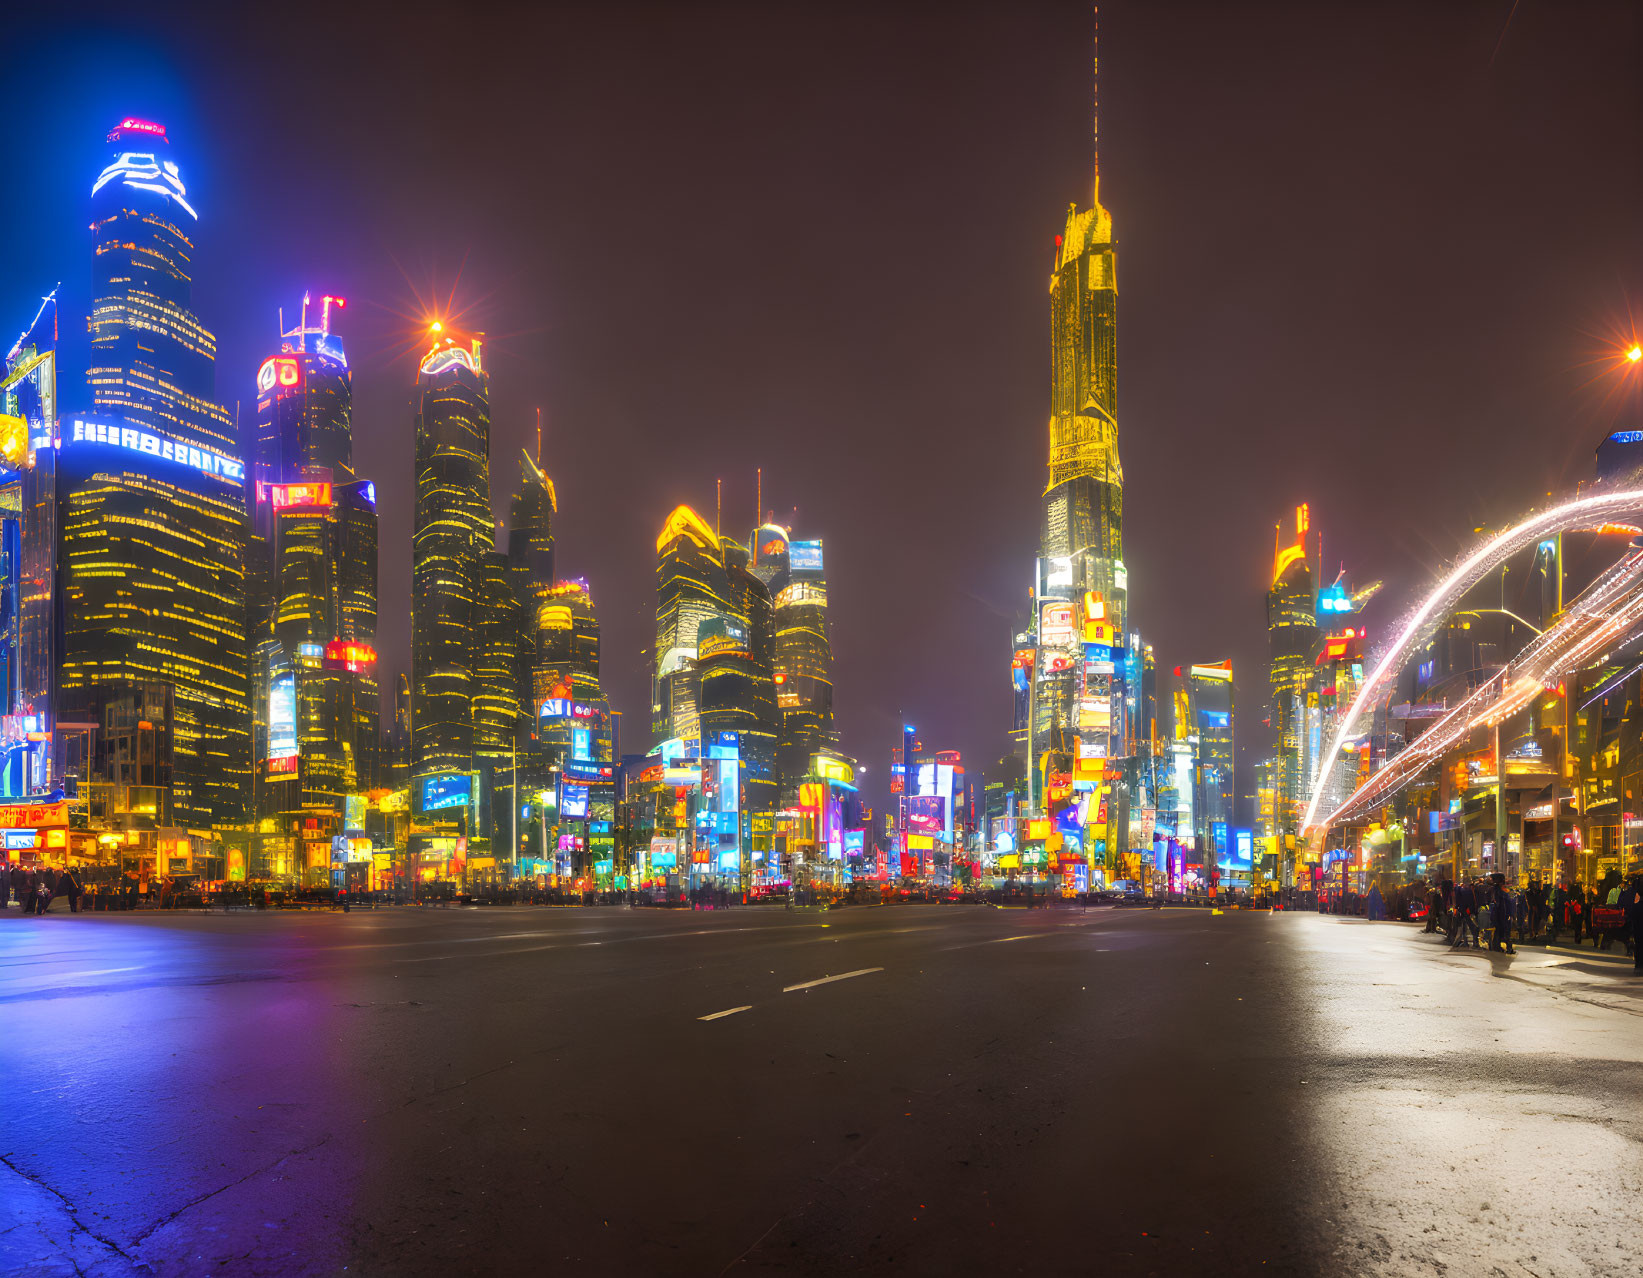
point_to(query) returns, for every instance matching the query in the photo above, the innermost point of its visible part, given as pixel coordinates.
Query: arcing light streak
(1610, 610)
(1581, 512)
(1611, 685)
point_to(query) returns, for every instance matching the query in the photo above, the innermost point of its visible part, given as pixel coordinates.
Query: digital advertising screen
(282, 717)
(926, 813)
(451, 791)
(573, 802)
(804, 556)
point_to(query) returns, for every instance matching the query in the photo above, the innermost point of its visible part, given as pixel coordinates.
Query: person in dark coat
(45, 890)
(1631, 901)
(69, 886)
(1466, 916)
(1434, 907)
(1500, 915)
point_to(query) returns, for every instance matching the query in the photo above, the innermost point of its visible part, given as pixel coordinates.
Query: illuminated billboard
(281, 371)
(311, 494)
(88, 430)
(769, 542)
(1055, 577)
(282, 718)
(804, 556)
(573, 801)
(1055, 625)
(453, 790)
(356, 657)
(926, 813)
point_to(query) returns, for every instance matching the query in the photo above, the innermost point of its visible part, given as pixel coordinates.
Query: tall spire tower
(1079, 724)
(1083, 500)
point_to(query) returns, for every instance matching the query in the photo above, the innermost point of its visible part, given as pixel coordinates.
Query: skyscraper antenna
(1095, 90)
(758, 498)
(718, 507)
(539, 436)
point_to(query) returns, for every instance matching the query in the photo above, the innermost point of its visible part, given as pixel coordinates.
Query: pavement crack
(206, 1197)
(73, 1215)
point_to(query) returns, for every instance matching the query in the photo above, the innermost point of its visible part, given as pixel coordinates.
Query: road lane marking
(99, 971)
(729, 1011)
(827, 980)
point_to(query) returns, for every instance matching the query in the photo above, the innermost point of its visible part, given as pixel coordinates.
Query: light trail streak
(1581, 512)
(1609, 610)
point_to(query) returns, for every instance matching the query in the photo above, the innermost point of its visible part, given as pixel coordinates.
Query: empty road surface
(901, 1090)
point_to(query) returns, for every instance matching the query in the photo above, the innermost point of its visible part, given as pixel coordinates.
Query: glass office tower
(153, 516)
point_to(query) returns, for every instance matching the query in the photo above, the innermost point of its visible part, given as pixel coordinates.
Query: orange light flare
(1616, 358)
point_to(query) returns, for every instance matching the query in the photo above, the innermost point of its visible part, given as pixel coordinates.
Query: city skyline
(963, 587)
(558, 645)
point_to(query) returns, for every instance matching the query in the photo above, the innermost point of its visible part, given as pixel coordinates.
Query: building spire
(539, 435)
(1095, 95)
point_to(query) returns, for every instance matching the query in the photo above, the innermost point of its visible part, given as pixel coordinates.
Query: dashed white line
(827, 980)
(729, 1011)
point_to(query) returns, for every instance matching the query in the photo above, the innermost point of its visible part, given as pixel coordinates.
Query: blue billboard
(804, 556)
(451, 791)
(573, 801)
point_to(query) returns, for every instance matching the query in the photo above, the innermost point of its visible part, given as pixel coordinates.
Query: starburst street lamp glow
(436, 327)
(1635, 354)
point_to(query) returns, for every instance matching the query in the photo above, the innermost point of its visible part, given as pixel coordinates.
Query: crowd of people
(36, 889)
(1470, 911)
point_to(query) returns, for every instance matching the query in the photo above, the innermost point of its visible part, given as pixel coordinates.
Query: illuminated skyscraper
(804, 663)
(1292, 641)
(566, 664)
(690, 589)
(451, 535)
(530, 532)
(28, 554)
(312, 569)
(153, 514)
(1081, 535)
(759, 725)
(1210, 711)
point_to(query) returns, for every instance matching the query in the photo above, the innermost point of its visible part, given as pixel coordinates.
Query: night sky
(1376, 257)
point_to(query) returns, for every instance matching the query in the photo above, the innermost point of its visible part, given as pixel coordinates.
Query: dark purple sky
(1366, 259)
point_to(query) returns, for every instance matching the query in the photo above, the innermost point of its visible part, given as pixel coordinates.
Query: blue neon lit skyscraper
(153, 521)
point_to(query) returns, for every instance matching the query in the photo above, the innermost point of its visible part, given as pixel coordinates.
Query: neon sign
(356, 657)
(133, 125)
(279, 372)
(145, 171)
(560, 708)
(91, 431)
(450, 357)
(284, 495)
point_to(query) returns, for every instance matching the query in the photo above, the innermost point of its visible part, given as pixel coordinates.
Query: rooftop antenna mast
(718, 507)
(1095, 94)
(539, 437)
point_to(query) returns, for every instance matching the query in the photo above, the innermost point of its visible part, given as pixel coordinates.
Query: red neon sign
(279, 372)
(283, 495)
(357, 657)
(133, 125)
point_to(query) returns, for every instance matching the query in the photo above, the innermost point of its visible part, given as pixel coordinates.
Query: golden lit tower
(1083, 501)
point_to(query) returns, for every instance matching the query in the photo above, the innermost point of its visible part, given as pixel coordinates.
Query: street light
(1635, 354)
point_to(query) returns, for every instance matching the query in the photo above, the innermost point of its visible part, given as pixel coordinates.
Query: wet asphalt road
(987, 1091)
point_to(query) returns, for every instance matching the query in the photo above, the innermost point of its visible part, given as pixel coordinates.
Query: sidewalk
(1615, 957)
